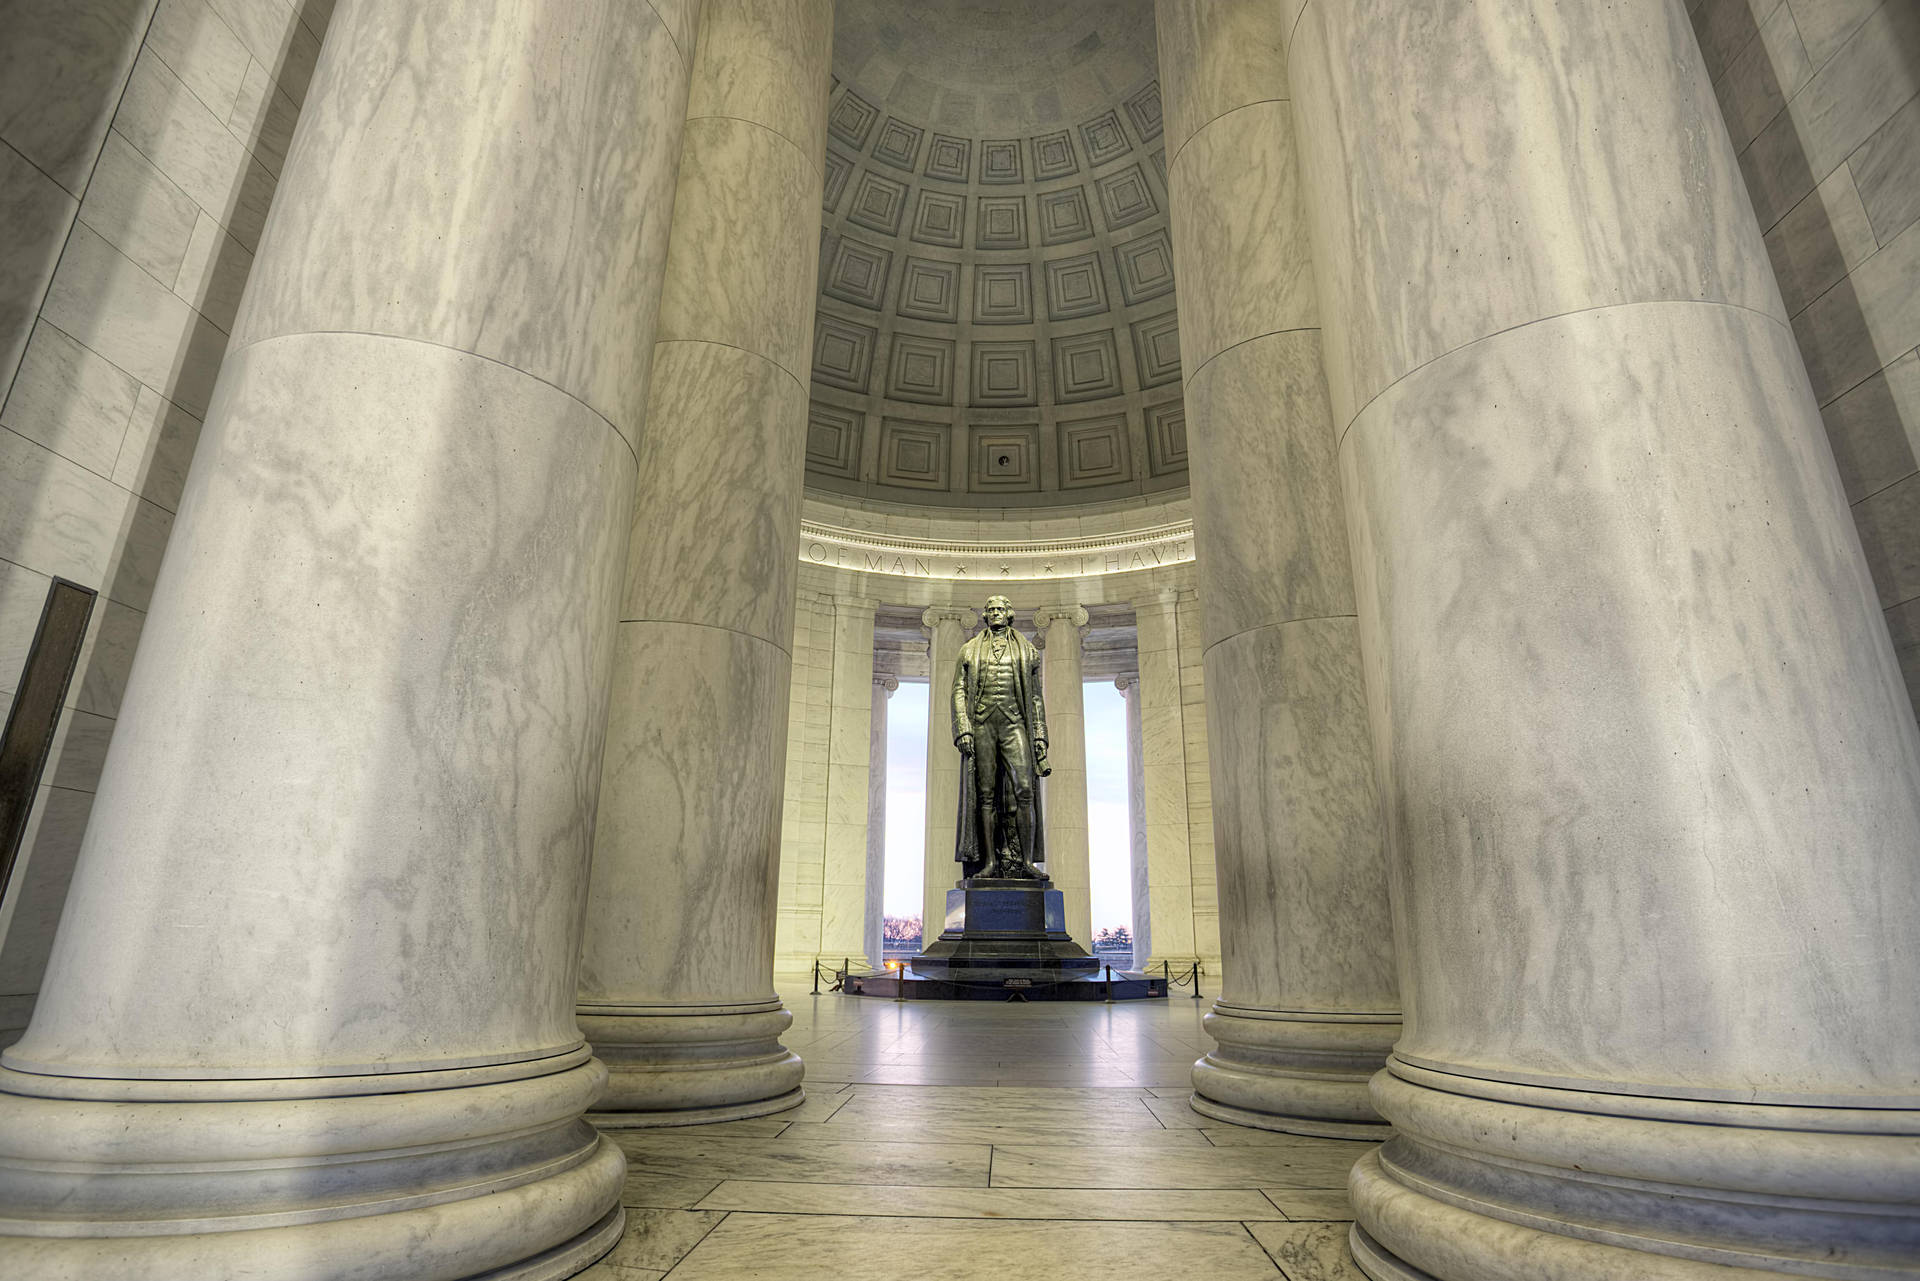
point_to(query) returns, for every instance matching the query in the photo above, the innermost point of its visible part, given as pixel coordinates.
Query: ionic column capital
(886, 684)
(934, 615)
(1047, 615)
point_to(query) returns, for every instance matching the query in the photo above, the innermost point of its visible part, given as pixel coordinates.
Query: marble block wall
(140, 145)
(1820, 101)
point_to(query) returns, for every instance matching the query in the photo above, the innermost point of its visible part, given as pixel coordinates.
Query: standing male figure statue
(1000, 727)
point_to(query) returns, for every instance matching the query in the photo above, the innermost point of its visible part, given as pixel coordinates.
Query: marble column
(884, 688)
(843, 889)
(676, 984)
(1163, 767)
(1142, 919)
(1651, 783)
(1309, 1007)
(1065, 792)
(947, 628)
(309, 1011)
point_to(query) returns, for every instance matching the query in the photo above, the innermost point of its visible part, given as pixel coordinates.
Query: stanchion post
(1196, 980)
(1109, 983)
(816, 976)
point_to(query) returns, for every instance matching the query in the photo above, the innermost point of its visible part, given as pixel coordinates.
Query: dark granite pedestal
(1006, 925)
(1007, 939)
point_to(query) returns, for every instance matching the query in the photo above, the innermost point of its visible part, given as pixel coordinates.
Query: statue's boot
(990, 837)
(1023, 822)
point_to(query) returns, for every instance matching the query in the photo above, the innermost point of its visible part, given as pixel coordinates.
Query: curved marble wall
(996, 322)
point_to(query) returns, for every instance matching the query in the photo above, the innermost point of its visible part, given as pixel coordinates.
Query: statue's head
(999, 611)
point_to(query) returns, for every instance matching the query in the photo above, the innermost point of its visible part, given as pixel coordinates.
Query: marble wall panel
(37, 213)
(1412, 273)
(61, 70)
(70, 401)
(1675, 617)
(35, 894)
(1831, 175)
(109, 305)
(565, 291)
(715, 510)
(138, 211)
(193, 147)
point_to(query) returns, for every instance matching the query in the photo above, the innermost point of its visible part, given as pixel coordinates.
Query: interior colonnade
(1518, 727)
(858, 633)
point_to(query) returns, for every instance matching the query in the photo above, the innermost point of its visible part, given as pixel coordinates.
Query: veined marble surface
(252, 810)
(741, 81)
(742, 266)
(1218, 57)
(871, 1168)
(1493, 209)
(1269, 521)
(560, 277)
(716, 507)
(687, 865)
(1694, 601)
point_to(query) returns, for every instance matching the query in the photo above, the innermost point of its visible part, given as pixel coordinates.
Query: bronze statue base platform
(1007, 939)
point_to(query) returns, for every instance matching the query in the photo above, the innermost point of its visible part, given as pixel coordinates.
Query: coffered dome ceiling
(996, 319)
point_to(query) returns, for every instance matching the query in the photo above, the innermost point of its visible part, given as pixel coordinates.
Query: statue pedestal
(999, 928)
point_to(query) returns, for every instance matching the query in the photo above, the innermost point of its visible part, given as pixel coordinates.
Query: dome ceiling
(996, 321)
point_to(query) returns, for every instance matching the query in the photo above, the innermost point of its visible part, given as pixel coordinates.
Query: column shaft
(1309, 1008)
(884, 688)
(1163, 764)
(1142, 923)
(1065, 792)
(1650, 779)
(676, 986)
(843, 889)
(309, 1012)
(947, 629)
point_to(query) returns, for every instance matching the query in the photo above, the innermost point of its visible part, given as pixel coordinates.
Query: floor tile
(1147, 1204)
(1309, 1251)
(1311, 1203)
(658, 1239)
(1068, 1167)
(848, 1248)
(664, 1192)
(664, 1152)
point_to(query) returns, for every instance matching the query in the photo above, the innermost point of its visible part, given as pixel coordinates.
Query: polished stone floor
(999, 1141)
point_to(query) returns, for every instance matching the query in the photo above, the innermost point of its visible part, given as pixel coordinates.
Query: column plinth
(1651, 782)
(676, 979)
(1308, 1007)
(309, 1012)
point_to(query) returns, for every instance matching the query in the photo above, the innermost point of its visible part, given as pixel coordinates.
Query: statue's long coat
(970, 847)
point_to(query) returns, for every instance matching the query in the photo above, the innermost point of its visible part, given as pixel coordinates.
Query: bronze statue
(1000, 727)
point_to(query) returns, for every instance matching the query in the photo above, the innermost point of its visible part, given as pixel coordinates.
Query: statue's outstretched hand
(965, 744)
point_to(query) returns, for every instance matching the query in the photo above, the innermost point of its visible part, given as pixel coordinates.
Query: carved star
(1005, 570)
(1047, 568)
(959, 571)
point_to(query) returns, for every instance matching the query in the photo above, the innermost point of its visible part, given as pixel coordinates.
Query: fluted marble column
(884, 688)
(1065, 808)
(1163, 765)
(843, 889)
(1650, 779)
(947, 628)
(1142, 922)
(1308, 1007)
(310, 1012)
(676, 985)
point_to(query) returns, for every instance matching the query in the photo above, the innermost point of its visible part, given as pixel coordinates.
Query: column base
(692, 1065)
(1295, 1072)
(1496, 1181)
(425, 1176)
